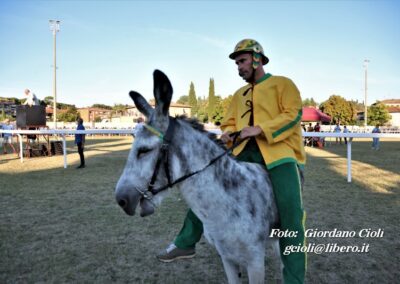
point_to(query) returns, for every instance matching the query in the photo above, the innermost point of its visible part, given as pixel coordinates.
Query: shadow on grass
(63, 225)
(333, 203)
(386, 158)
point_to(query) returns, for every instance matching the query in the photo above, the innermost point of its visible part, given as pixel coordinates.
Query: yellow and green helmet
(250, 45)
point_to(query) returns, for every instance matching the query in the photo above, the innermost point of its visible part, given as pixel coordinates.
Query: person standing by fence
(345, 130)
(80, 142)
(338, 130)
(7, 137)
(375, 141)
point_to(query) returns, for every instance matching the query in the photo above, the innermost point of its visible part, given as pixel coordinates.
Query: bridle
(163, 159)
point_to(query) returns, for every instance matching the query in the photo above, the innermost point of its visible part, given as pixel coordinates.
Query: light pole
(366, 61)
(54, 27)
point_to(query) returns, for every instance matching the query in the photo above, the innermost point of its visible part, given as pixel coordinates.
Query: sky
(107, 48)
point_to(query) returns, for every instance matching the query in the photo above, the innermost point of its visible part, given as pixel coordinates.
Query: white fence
(64, 132)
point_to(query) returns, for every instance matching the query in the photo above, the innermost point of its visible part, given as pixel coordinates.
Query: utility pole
(366, 61)
(54, 27)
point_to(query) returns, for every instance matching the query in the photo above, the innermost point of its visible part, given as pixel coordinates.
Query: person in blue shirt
(80, 142)
(375, 141)
(7, 137)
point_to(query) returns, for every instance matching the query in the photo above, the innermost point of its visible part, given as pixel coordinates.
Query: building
(174, 110)
(8, 107)
(393, 107)
(91, 114)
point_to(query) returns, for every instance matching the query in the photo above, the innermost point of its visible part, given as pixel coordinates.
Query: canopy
(313, 114)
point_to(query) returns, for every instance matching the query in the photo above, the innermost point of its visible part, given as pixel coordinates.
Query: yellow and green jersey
(277, 110)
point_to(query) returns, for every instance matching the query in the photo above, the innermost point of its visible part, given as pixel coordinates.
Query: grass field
(63, 226)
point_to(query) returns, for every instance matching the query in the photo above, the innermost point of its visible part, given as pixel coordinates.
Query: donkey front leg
(256, 271)
(231, 271)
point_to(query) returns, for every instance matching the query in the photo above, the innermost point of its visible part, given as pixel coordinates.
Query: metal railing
(64, 132)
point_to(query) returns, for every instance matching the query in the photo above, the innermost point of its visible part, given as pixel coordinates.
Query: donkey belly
(242, 247)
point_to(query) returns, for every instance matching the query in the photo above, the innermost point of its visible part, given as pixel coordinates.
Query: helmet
(250, 45)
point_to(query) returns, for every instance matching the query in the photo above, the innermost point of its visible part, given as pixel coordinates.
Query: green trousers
(287, 190)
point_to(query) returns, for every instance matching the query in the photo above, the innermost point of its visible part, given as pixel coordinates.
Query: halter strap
(163, 158)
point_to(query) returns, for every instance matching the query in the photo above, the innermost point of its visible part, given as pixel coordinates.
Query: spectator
(138, 126)
(345, 130)
(31, 98)
(338, 130)
(375, 141)
(317, 127)
(7, 137)
(80, 142)
(310, 128)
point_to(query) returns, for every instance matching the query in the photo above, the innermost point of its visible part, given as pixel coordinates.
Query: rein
(163, 158)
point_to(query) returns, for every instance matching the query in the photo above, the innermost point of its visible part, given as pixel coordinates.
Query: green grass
(63, 225)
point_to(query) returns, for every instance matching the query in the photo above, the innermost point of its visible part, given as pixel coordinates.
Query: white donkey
(233, 199)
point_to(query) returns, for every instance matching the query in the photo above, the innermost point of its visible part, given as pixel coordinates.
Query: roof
(391, 101)
(313, 114)
(393, 109)
(171, 105)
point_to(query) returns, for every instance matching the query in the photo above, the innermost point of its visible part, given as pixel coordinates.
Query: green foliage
(71, 115)
(102, 106)
(218, 114)
(13, 100)
(309, 103)
(193, 100)
(3, 115)
(357, 105)
(119, 109)
(378, 114)
(212, 101)
(184, 100)
(202, 105)
(48, 100)
(226, 102)
(340, 110)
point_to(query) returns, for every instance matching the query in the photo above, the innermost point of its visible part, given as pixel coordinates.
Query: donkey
(233, 199)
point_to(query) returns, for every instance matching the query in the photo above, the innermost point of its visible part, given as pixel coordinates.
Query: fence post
(21, 150)
(349, 159)
(64, 150)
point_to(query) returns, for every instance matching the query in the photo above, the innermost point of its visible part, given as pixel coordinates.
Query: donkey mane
(197, 125)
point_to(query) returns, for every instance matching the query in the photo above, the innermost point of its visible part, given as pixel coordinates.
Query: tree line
(212, 108)
(345, 112)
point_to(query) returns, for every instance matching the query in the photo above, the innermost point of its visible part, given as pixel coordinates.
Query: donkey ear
(162, 91)
(141, 103)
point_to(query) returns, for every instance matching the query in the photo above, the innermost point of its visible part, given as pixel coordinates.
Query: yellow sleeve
(287, 122)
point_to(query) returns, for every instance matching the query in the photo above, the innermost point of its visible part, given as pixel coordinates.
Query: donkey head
(132, 186)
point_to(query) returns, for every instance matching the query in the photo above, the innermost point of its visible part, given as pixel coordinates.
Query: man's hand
(250, 131)
(226, 138)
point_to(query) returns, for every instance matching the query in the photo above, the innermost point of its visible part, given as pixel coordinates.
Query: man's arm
(288, 121)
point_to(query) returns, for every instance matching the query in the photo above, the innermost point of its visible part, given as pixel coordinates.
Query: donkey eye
(142, 151)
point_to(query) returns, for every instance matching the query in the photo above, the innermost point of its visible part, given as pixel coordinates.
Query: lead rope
(235, 144)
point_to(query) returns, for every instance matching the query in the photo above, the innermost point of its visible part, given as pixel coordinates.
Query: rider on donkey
(267, 111)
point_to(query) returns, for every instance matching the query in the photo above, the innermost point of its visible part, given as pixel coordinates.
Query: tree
(340, 110)
(212, 101)
(184, 100)
(70, 115)
(193, 100)
(48, 100)
(218, 115)
(202, 105)
(309, 103)
(378, 114)
(102, 106)
(225, 104)
(119, 109)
